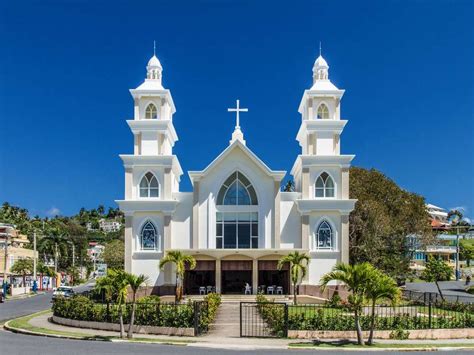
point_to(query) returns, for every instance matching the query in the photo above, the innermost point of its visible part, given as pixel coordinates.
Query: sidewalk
(39, 325)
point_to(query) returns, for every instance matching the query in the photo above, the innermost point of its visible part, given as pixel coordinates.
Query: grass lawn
(23, 323)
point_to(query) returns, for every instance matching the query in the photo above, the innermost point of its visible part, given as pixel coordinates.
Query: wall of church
(146, 262)
(209, 189)
(139, 172)
(181, 222)
(290, 221)
(334, 172)
(322, 261)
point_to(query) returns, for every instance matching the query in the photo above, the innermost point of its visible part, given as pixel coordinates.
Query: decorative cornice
(341, 161)
(167, 207)
(169, 161)
(306, 207)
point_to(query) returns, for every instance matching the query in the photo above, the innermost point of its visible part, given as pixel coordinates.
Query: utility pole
(8, 230)
(35, 286)
(73, 254)
(55, 258)
(457, 253)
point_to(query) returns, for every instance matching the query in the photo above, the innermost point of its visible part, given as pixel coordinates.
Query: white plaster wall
(334, 172)
(149, 143)
(146, 262)
(139, 172)
(320, 265)
(290, 222)
(325, 143)
(181, 221)
(209, 188)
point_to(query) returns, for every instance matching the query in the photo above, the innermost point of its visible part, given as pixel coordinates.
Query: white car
(63, 291)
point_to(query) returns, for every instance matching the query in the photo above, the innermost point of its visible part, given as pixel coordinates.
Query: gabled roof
(277, 175)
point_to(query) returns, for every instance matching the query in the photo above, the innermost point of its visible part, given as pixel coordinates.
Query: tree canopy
(383, 217)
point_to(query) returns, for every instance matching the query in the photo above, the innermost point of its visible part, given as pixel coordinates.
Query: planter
(138, 329)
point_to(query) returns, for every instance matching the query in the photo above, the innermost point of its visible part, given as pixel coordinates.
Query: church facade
(237, 222)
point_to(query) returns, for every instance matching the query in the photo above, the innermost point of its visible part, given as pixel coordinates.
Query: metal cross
(237, 110)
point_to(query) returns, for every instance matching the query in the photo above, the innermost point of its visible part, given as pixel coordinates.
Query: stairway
(227, 321)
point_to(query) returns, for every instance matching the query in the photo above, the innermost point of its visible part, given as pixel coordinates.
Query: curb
(6, 326)
(368, 349)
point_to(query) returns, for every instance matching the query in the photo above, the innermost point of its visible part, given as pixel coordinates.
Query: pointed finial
(154, 47)
(320, 48)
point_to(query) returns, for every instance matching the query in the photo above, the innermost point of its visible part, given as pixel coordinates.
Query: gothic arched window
(323, 112)
(324, 186)
(237, 190)
(149, 186)
(148, 237)
(324, 236)
(151, 112)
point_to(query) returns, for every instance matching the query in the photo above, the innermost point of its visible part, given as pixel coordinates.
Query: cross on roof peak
(237, 110)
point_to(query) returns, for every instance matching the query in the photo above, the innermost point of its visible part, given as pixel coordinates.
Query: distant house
(109, 226)
(17, 250)
(444, 246)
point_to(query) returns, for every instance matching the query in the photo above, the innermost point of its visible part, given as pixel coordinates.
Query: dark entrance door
(203, 275)
(269, 275)
(235, 275)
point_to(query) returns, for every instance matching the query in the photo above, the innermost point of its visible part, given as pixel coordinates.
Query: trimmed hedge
(148, 312)
(320, 317)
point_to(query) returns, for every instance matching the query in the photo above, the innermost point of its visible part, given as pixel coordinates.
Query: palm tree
(298, 268)
(357, 278)
(53, 244)
(119, 282)
(135, 282)
(179, 260)
(382, 287)
(23, 267)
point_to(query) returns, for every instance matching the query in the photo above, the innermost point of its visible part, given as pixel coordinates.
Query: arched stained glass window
(324, 236)
(324, 186)
(148, 237)
(149, 186)
(237, 190)
(323, 112)
(151, 112)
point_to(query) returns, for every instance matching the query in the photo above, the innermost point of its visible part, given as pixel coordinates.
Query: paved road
(23, 307)
(16, 344)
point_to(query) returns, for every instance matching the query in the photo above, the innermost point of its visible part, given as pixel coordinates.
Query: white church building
(236, 222)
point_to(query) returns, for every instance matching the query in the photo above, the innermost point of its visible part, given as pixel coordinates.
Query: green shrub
(399, 334)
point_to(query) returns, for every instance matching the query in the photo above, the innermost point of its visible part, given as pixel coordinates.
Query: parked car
(63, 291)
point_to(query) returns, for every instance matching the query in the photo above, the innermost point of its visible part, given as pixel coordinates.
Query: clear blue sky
(66, 67)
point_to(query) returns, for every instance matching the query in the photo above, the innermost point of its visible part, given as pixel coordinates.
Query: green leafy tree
(289, 186)
(383, 217)
(298, 268)
(114, 254)
(357, 278)
(135, 283)
(437, 270)
(382, 287)
(23, 267)
(179, 260)
(466, 250)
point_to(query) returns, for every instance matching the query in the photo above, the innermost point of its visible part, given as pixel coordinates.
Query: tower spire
(320, 51)
(154, 47)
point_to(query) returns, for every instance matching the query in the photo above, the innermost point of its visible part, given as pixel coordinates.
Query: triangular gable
(277, 175)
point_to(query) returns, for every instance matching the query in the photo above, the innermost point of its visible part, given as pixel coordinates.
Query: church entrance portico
(203, 275)
(235, 275)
